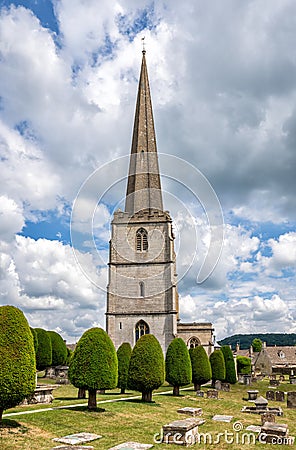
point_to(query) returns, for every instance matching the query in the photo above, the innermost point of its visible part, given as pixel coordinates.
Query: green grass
(132, 420)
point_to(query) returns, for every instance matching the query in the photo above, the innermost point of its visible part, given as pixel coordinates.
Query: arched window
(141, 329)
(193, 342)
(141, 240)
(142, 289)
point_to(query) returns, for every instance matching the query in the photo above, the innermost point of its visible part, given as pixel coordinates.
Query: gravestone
(274, 382)
(212, 393)
(225, 387)
(261, 403)
(291, 400)
(218, 385)
(272, 377)
(267, 417)
(181, 432)
(293, 380)
(270, 395)
(282, 378)
(70, 447)
(131, 446)
(78, 438)
(247, 379)
(253, 428)
(279, 396)
(275, 433)
(222, 418)
(200, 393)
(252, 395)
(194, 412)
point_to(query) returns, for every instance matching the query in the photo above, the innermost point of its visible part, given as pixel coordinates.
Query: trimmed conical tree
(123, 355)
(230, 376)
(17, 358)
(93, 365)
(44, 349)
(59, 349)
(218, 366)
(146, 369)
(35, 339)
(177, 365)
(244, 365)
(201, 367)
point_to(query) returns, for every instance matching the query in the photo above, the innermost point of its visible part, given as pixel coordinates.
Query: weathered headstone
(272, 377)
(70, 447)
(225, 387)
(218, 385)
(253, 428)
(182, 432)
(293, 380)
(194, 412)
(267, 417)
(247, 379)
(279, 396)
(282, 378)
(270, 395)
(212, 393)
(222, 418)
(275, 433)
(291, 400)
(131, 446)
(78, 438)
(261, 403)
(200, 393)
(252, 395)
(274, 382)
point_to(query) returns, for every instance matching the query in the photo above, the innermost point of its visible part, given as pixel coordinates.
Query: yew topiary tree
(17, 358)
(201, 367)
(243, 365)
(146, 369)
(177, 365)
(218, 366)
(35, 339)
(94, 365)
(44, 349)
(59, 349)
(230, 375)
(123, 355)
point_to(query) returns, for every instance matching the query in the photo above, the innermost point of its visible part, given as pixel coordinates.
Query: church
(142, 291)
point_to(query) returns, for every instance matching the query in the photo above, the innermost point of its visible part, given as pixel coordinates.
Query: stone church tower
(142, 294)
(142, 291)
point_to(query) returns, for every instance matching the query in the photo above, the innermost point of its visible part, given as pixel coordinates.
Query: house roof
(280, 356)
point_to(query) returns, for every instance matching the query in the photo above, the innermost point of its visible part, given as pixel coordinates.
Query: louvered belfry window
(142, 240)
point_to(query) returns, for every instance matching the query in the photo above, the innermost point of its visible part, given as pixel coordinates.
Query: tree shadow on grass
(140, 402)
(70, 398)
(8, 423)
(85, 409)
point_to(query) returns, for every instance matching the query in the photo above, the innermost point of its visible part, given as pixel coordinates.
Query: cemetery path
(54, 408)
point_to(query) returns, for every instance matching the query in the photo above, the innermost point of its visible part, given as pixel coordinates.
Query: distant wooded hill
(271, 339)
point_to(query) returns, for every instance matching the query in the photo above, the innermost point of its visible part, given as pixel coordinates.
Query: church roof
(143, 187)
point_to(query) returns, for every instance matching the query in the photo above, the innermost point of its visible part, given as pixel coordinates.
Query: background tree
(59, 349)
(146, 369)
(243, 365)
(178, 365)
(230, 371)
(69, 356)
(218, 366)
(93, 365)
(201, 367)
(44, 349)
(123, 355)
(257, 345)
(17, 358)
(35, 339)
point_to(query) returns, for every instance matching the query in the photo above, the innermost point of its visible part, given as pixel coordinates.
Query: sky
(223, 84)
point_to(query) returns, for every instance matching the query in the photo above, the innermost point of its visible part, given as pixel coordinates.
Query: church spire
(143, 187)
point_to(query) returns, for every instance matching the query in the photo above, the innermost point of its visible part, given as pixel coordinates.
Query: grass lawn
(133, 420)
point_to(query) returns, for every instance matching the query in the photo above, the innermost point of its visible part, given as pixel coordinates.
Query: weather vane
(143, 43)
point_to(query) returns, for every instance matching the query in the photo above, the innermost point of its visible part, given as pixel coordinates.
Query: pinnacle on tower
(143, 188)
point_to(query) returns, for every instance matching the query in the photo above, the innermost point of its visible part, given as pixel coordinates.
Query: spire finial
(143, 44)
